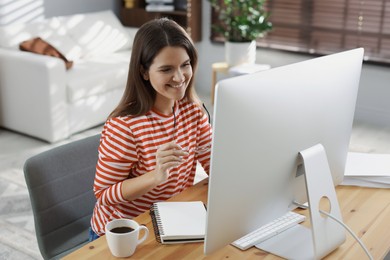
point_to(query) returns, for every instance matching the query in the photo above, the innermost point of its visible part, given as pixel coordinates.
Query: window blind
(328, 26)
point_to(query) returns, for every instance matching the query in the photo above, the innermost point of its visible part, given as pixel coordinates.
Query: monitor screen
(261, 123)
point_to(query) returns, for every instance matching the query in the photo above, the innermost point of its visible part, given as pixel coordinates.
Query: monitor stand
(326, 234)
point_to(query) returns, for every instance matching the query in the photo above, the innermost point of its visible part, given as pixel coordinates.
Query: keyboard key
(269, 230)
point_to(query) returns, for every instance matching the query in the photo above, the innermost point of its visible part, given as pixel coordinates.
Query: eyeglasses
(197, 149)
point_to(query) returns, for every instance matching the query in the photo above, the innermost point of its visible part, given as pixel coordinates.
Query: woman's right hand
(168, 155)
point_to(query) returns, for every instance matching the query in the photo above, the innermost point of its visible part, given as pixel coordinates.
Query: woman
(152, 141)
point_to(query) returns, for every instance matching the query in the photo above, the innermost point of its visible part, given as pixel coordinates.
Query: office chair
(60, 184)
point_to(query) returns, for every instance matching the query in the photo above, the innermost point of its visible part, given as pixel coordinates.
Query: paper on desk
(368, 170)
(367, 164)
(367, 182)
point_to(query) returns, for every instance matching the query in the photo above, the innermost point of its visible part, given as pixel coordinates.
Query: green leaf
(241, 20)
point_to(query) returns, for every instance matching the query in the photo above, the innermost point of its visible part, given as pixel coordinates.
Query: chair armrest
(33, 94)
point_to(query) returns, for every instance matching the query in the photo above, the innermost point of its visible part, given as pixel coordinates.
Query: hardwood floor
(370, 138)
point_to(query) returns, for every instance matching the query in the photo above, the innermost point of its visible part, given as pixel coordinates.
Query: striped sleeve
(204, 143)
(117, 154)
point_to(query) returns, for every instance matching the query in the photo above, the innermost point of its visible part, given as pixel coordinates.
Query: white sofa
(40, 98)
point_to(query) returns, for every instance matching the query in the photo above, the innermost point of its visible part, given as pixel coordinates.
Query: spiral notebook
(178, 221)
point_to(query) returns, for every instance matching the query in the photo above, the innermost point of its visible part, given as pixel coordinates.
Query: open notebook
(178, 221)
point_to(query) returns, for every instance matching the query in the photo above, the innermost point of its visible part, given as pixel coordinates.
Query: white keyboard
(271, 229)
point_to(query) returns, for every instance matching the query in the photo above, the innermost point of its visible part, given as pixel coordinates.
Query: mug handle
(145, 236)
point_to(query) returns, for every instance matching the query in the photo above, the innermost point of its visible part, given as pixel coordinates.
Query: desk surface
(365, 210)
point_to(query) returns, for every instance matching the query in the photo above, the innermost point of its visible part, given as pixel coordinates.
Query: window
(328, 26)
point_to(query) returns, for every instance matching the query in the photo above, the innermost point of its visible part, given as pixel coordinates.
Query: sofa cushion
(97, 33)
(66, 45)
(97, 75)
(49, 30)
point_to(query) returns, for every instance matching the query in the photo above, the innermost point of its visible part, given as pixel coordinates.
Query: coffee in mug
(122, 236)
(121, 230)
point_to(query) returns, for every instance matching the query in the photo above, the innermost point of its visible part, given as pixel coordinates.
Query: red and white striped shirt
(128, 148)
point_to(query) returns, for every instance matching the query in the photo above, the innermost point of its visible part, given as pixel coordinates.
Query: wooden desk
(365, 210)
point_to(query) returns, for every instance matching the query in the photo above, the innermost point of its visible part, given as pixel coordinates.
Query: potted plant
(241, 22)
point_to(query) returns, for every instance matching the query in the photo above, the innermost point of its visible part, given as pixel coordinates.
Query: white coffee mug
(121, 240)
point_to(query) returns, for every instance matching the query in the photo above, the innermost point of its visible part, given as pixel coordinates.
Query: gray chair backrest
(60, 184)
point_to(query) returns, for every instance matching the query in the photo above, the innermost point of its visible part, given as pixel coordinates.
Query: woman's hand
(168, 156)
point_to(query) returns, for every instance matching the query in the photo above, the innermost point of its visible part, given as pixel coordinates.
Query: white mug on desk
(122, 236)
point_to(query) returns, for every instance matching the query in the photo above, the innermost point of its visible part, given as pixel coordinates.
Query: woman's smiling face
(170, 74)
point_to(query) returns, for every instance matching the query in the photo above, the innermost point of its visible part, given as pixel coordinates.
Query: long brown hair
(139, 96)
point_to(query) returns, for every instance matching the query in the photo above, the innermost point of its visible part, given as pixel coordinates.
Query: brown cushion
(39, 46)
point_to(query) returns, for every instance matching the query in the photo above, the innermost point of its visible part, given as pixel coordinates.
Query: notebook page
(182, 219)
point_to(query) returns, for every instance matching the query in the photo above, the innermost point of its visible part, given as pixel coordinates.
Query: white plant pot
(237, 53)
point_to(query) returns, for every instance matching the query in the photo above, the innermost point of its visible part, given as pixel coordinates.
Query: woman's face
(170, 74)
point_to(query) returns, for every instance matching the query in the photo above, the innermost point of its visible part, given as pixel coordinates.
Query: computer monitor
(261, 123)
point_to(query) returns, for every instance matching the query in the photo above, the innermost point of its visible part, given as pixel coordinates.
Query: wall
(61, 7)
(373, 105)
(15, 11)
